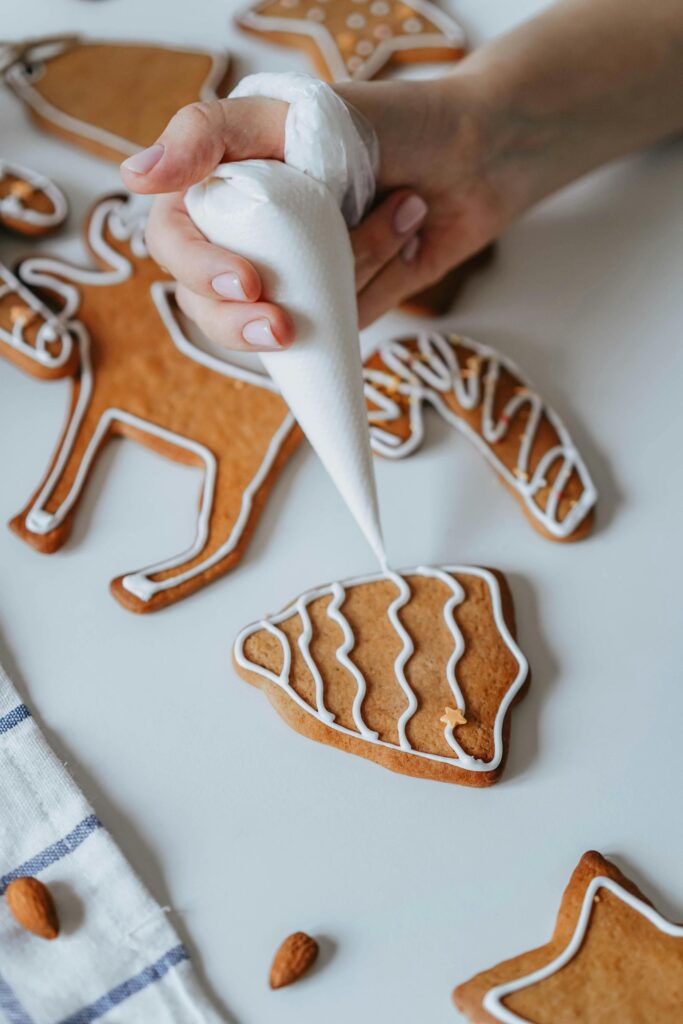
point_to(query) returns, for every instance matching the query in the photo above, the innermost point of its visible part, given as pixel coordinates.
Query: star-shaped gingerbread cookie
(486, 397)
(416, 670)
(30, 203)
(613, 959)
(136, 375)
(112, 99)
(356, 39)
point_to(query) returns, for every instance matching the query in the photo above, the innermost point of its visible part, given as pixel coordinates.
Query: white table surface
(250, 831)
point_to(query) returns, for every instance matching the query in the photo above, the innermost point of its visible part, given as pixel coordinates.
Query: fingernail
(229, 286)
(409, 214)
(143, 162)
(260, 333)
(411, 249)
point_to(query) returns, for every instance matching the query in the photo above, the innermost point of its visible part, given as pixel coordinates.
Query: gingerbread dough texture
(612, 959)
(30, 204)
(417, 671)
(487, 398)
(116, 333)
(112, 99)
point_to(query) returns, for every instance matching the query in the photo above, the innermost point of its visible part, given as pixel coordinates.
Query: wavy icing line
(434, 372)
(40, 272)
(453, 37)
(19, 79)
(320, 712)
(50, 330)
(12, 207)
(492, 1000)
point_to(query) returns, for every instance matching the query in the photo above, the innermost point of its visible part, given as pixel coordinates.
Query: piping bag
(291, 220)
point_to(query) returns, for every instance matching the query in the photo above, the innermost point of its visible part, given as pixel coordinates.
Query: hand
(221, 291)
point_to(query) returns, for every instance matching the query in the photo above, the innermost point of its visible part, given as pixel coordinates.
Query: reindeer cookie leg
(45, 523)
(228, 513)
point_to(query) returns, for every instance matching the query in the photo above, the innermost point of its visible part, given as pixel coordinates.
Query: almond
(32, 906)
(293, 958)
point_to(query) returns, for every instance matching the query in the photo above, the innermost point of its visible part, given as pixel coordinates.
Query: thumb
(203, 135)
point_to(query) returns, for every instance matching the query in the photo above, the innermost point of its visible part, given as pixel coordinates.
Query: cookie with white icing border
(111, 98)
(31, 335)
(485, 396)
(417, 671)
(136, 375)
(357, 39)
(613, 959)
(30, 203)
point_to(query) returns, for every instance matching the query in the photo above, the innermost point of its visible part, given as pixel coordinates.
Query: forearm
(581, 84)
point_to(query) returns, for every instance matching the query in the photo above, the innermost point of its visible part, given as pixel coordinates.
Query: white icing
(492, 1001)
(432, 372)
(462, 760)
(48, 273)
(21, 82)
(12, 207)
(445, 33)
(51, 327)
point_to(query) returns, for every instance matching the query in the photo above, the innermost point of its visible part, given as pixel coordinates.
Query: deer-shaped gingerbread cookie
(485, 396)
(136, 375)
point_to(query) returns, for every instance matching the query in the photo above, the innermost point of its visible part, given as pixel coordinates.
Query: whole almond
(32, 906)
(293, 958)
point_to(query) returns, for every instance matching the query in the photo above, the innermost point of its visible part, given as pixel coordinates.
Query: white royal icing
(431, 372)
(51, 328)
(20, 79)
(12, 207)
(447, 34)
(338, 592)
(43, 272)
(492, 1000)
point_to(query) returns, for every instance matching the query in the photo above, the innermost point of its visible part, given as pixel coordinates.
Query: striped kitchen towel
(117, 958)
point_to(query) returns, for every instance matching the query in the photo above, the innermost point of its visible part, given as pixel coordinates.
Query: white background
(251, 831)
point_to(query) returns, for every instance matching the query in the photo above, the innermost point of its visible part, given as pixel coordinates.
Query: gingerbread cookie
(29, 203)
(30, 334)
(417, 671)
(612, 960)
(356, 39)
(484, 395)
(136, 375)
(110, 98)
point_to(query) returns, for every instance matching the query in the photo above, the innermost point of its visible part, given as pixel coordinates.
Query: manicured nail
(410, 213)
(143, 162)
(229, 286)
(260, 334)
(410, 249)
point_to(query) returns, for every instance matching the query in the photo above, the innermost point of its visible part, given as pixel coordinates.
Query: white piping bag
(287, 219)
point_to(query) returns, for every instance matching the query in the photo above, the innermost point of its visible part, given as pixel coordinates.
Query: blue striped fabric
(116, 996)
(13, 718)
(11, 1008)
(53, 853)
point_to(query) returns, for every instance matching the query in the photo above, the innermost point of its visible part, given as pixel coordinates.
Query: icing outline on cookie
(453, 37)
(39, 272)
(20, 81)
(492, 1000)
(51, 327)
(13, 208)
(435, 372)
(338, 592)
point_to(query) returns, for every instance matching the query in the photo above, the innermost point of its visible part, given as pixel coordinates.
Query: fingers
(208, 270)
(406, 274)
(203, 135)
(385, 232)
(249, 327)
